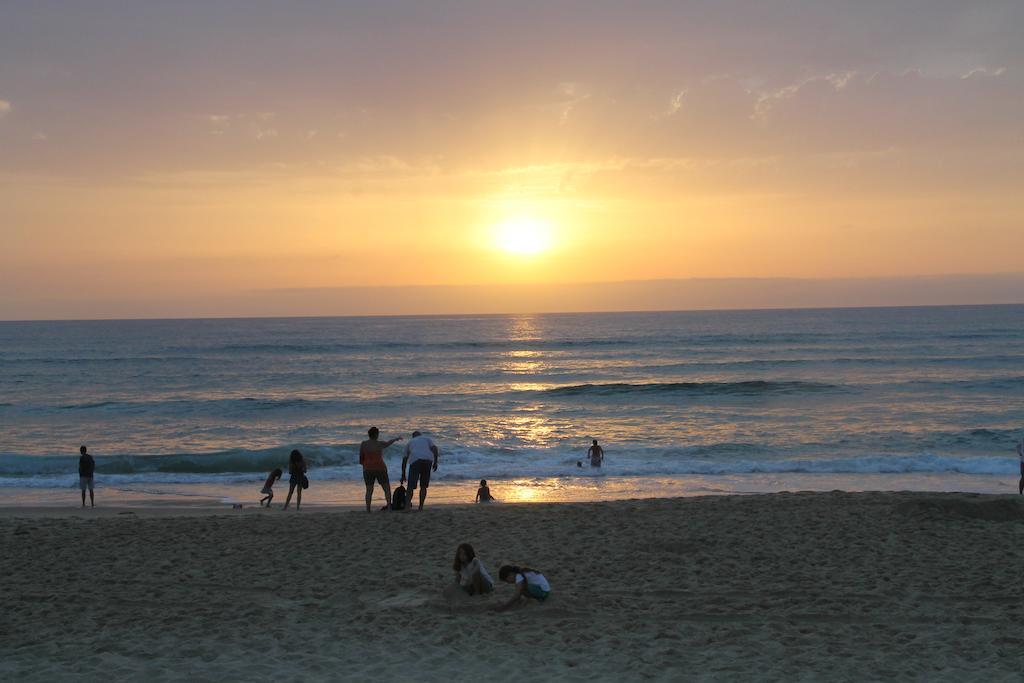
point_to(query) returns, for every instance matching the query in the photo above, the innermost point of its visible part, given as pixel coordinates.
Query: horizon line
(779, 309)
(531, 298)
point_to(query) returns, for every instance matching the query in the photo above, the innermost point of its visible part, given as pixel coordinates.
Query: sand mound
(999, 510)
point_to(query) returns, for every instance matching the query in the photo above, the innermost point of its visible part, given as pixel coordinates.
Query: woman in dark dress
(296, 478)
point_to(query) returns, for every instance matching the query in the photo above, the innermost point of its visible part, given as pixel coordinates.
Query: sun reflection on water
(532, 430)
(524, 329)
(523, 353)
(524, 368)
(530, 386)
(520, 492)
(524, 361)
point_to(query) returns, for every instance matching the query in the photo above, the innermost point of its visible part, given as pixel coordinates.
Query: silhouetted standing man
(596, 455)
(1020, 452)
(421, 454)
(86, 471)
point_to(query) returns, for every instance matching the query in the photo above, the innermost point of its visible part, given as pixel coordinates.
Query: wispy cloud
(259, 125)
(984, 71)
(767, 101)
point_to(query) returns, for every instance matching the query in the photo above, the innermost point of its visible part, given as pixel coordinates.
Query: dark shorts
(419, 473)
(537, 593)
(378, 476)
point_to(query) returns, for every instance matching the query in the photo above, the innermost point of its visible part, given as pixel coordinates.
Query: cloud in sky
(5, 108)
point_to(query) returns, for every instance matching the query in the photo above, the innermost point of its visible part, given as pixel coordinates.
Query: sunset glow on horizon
(183, 152)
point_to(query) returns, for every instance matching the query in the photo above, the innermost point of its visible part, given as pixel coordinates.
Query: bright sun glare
(523, 235)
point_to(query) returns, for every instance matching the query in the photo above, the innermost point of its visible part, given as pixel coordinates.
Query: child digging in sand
(529, 583)
(268, 487)
(470, 573)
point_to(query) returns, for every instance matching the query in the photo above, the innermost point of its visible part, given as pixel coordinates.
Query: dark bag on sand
(398, 498)
(305, 482)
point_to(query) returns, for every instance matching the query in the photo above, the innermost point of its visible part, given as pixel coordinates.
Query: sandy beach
(817, 586)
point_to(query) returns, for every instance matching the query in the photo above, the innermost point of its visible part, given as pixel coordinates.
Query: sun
(523, 235)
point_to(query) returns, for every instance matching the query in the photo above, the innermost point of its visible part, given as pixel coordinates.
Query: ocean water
(724, 399)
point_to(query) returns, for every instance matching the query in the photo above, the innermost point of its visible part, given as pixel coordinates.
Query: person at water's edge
(86, 471)
(418, 454)
(596, 455)
(296, 478)
(371, 457)
(1020, 453)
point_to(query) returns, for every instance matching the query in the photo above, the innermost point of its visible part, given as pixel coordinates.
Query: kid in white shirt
(530, 584)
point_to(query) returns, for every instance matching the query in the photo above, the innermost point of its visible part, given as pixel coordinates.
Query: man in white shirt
(421, 454)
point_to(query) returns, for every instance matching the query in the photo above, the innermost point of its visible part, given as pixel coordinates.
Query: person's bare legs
(92, 499)
(83, 494)
(423, 496)
(369, 494)
(384, 484)
(298, 497)
(291, 490)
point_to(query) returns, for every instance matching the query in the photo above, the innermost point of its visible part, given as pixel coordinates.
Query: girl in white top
(470, 573)
(530, 584)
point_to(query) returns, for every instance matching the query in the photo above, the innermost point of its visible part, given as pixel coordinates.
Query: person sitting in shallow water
(483, 494)
(530, 584)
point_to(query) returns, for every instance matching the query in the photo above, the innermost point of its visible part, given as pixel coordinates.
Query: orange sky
(193, 151)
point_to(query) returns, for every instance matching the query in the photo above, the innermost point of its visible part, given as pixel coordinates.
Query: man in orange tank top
(371, 457)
